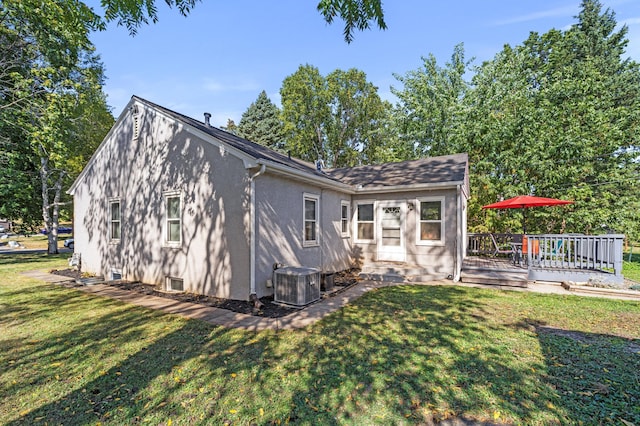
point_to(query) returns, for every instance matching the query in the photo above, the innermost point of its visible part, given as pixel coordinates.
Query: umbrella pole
(524, 220)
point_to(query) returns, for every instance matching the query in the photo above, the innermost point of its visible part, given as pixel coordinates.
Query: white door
(391, 245)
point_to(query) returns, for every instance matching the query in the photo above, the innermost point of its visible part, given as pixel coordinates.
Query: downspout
(459, 240)
(252, 218)
(320, 231)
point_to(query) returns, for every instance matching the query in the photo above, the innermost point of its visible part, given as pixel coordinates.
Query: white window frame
(168, 284)
(344, 220)
(356, 221)
(315, 198)
(442, 221)
(113, 201)
(165, 228)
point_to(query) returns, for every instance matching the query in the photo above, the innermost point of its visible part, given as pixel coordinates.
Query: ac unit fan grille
(296, 286)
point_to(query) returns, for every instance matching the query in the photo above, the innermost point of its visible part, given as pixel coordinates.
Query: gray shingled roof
(448, 168)
(252, 149)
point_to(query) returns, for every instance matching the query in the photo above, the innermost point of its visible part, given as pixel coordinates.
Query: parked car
(61, 230)
(69, 243)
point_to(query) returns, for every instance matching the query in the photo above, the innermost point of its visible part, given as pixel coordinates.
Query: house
(173, 201)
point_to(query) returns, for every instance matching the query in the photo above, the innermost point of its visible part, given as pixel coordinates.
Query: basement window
(175, 284)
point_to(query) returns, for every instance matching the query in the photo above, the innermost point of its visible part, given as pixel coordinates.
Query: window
(431, 221)
(173, 218)
(175, 284)
(114, 210)
(310, 220)
(344, 218)
(365, 221)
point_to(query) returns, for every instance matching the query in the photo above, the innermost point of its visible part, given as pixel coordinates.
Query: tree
(557, 116)
(339, 119)
(430, 108)
(262, 123)
(356, 14)
(231, 127)
(305, 111)
(52, 107)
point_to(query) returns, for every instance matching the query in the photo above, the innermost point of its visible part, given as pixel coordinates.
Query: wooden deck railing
(584, 252)
(483, 244)
(557, 257)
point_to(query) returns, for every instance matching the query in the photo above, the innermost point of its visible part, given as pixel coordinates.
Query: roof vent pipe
(207, 119)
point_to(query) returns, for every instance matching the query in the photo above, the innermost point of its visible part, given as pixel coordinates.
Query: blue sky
(220, 57)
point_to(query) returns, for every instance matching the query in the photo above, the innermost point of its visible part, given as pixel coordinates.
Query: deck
(493, 270)
(546, 257)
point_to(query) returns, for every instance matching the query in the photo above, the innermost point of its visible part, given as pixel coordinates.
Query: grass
(631, 267)
(35, 241)
(399, 355)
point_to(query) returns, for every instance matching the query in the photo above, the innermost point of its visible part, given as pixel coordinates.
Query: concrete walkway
(296, 320)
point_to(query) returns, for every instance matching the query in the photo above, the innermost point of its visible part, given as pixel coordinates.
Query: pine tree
(261, 123)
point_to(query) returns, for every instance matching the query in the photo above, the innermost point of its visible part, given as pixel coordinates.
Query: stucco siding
(280, 229)
(437, 259)
(213, 255)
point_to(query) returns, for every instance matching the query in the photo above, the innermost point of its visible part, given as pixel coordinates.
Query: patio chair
(501, 249)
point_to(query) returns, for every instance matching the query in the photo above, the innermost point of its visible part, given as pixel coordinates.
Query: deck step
(501, 278)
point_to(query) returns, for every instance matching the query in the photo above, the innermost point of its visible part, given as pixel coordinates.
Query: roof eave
(301, 176)
(408, 188)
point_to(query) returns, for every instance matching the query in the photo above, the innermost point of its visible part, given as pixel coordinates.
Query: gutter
(407, 188)
(252, 218)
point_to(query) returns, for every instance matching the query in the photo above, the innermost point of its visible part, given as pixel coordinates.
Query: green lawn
(631, 267)
(400, 355)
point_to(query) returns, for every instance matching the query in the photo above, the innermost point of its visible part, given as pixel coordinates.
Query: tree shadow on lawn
(124, 391)
(406, 354)
(409, 354)
(34, 302)
(595, 375)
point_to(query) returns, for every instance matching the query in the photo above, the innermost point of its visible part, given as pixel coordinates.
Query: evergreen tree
(558, 116)
(262, 123)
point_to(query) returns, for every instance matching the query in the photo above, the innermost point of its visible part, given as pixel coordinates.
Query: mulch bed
(269, 309)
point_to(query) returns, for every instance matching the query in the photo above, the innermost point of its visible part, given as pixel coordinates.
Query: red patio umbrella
(525, 201)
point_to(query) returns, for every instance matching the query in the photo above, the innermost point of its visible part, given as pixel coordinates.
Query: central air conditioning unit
(296, 286)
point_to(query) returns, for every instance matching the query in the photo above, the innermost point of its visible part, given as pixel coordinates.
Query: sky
(220, 57)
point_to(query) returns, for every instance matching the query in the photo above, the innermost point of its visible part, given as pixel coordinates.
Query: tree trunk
(50, 211)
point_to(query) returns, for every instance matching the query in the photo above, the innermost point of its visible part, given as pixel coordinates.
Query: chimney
(207, 119)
